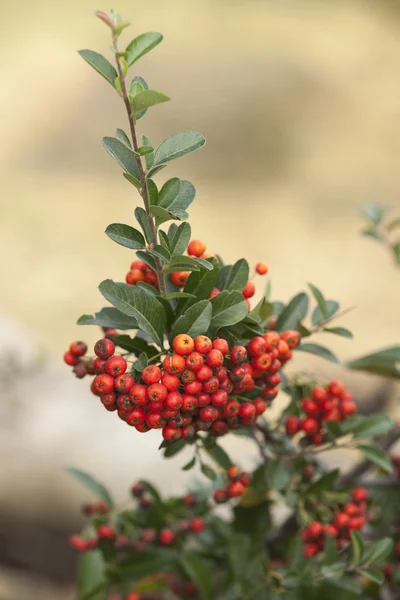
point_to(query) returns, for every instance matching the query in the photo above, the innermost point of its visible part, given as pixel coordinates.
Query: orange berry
(196, 248)
(183, 344)
(261, 268)
(179, 278)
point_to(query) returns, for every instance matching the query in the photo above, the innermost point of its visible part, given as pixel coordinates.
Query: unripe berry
(202, 344)
(104, 348)
(183, 344)
(249, 290)
(151, 374)
(221, 345)
(116, 365)
(196, 248)
(261, 268)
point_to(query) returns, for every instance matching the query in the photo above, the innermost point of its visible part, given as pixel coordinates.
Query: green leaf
(136, 345)
(109, 317)
(161, 213)
(375, 575)
(147, 258)
(396, 250)
(320, 300)
(143, 221)
(134, 302)
(91, 580)
(178, 296)
(293, 313)
(219, 455)
(200, 284)
(122, 155)
(149, 158)
(187, 263)
(125, 235)
(320, 351)
(325, 482)
(176, 195)
(90, 483)
(138, 84)
(376, 552)
(371, 232)
(384, 362)
(141, 363)
(152, 192)
(132, 180)
(195, 321)
(145, 150)
(180, 239)
(100, 64)
(147, 98)
(178, 145)
(174, 448)
(189, 465)
(373, 213)
(330, 551)
(155, 169)
(161, 253)
(228, 308)
(142, 44)
(277, 474)
(377, 456)
(122, 137)
(200, 572)
(366, 426)
(144, 565)
(169, 191)
(208, 472)
(342, 331)
(236, 276)
(331, 308)
(357, 546)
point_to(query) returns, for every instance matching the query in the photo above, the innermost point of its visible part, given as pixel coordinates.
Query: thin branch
(144, 192)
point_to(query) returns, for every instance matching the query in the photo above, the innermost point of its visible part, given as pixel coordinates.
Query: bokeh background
(300, 103)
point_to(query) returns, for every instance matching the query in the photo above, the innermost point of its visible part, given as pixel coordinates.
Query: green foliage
(178, 145)
(140, 45)
(125, 235)
(100, 64)
(91, 484)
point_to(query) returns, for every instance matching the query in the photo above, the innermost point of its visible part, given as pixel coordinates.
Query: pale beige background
(300, 102)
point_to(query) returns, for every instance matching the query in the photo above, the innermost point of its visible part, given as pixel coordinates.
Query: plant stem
(144, 189)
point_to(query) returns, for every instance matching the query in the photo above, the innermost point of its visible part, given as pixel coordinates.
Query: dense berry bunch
(140, 271)
(351, 517)
(238, 481)
(332, 403)
(200, 384)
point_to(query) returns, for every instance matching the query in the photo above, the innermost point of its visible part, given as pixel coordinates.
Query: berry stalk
(144, 189)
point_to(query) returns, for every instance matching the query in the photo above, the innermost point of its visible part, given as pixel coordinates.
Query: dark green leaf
(180, 239)
(142, 44)
(384, 362)
(122, 137)
(208, 472)
(109, 317)
(320, 351)
(330, 550)
(91, 582)
(228, 308)
(200, 284)
(357, 547)
(152, 192)
(149, 289)
(161, 214)
(161, 253)
(195, 321)
(178, 296)
(134, 302)
(145, 564)
(125, 235)
(122, 155)
(147, 258)
(366, 426)
(219, 455)
(143, 221)
(147, 98)
(375, 575)
(200, 572)
(236, 276)
(190, 464)
(377, 456)
(187, 263)
(170, 191)
(320, 300)
(331, 308)
(342, 331)
(277, 474)
(149, 158)
(376, 552)
(90, 483)
(174, 448)
(155, 169)
(293, 313)
(325, 482)
(136, 345)
(141, 363)
(178, 145)
(100, 64)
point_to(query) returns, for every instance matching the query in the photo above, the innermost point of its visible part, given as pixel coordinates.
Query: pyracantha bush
(184, 348)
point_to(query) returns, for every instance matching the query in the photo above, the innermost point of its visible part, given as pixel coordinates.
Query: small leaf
(331, 308)
(320, 300)
(97, 488)
(195, 321)
(149, 158)
(357, 546)
(190, 464)
(200, 572)
(152, 192)
(342, 331)
(143, 221)
(100, 64)
(125, 235)
(142, 44)
(375, 575)
(178, 145)
(373, 213)
(169, 191)
(148, 98)
(187, 263)
(136, 345)
(161, 213)
(161, 253)
(174, 448)
(236, 276)
(134, 302)
(180, 239)
(122, 137)
(320, 351)
(145, 150)
(200, 284)
(277, 475)
(219, 455)
(132, 180)
(178, 295)
(138, 84)
(147, 258)
(384, 362)
(109, 317)
(377, 456)
(122, 155)
(325, 482)
(376, 552)
(228, 308)
(208, 472)
(293, 313)
(370, 426)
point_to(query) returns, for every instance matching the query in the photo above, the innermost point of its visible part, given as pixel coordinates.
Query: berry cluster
(200, 385)
(351, 517)
(238, 481)
(140, 271)
(333, 403)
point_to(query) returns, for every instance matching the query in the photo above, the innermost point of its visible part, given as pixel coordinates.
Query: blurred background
(300, 103)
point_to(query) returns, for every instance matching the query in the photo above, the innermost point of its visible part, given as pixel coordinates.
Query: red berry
(211, 385)
(291, 337)
(234, 489)
(336, 388)
(341, 520)
(221, 345)
(171, 433)
(103, 384)
(257, 346)
(202, 344)
(214, 292)
(220, 496)
(261, 268)
(310, 407)
(173, 401)
(109, 401)
(315, 529)
(263, 362)
(189, 403)
(317, 438)
(204, 399)
(215, 358)
(138, 395)
(348, 407)
(78, 543)
(319, 394)
(231, 408)
(155, 420)
(136, 417)
(219, 398)
(151, 374)
(78, 348)
(106, 533)
(310, 426)
(357, 522)
(100, 366)
(204, 373)
(134, 276)
(331, 530)
(359, 494)
(137, 489)
(116, 365)
(310, 550)
(157, 392)
(167, 537)
(174, 364)
(260, 406)
(292, 425)
(179, 278)
(188, 376)
(238, 354)
(197, 524)
(196, 248)
(171, 382)
(70, 359)
(247, 410)
(194, 361)
(188, 432)
(272, 338)
(132, 596)
(124, 383)
(233, 472)
(208, 413)
(183, 344)
(193, 388)
(219, 427)
(104, 348)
